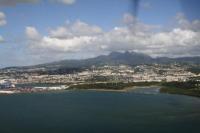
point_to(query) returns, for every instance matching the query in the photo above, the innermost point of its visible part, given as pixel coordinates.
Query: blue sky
(44, 16)
(105, 13)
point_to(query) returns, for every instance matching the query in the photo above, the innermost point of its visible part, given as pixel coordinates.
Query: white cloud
(67, 2)
(60, 32)
(74, 44)
(1, 39)
(77, 28)
(145, 5)
(32, 33)
(186, 24)
(80, 37)
(80, 28)
(15, 2)
(2, 19)
(135, 25)
(2, 23)
(129, 19)
(70, 38)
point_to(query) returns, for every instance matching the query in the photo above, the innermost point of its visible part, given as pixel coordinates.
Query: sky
(40, 31)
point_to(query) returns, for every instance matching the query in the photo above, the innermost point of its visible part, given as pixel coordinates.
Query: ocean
(84, 111)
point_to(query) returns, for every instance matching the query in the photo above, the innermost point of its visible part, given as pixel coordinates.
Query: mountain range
(114, 58)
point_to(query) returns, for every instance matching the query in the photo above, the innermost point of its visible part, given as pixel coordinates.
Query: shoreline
(164, 87)
(126, 89)
(8, 92)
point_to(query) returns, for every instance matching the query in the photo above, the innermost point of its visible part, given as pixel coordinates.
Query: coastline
(180, 88)
(190, 88)
(126, 89)
(179, 91)
(8, 92)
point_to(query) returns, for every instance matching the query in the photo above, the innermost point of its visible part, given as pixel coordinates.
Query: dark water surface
(99, 112)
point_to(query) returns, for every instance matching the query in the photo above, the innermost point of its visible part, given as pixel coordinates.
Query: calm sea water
(140, 111)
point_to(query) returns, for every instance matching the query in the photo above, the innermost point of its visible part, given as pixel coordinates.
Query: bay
(85, 111)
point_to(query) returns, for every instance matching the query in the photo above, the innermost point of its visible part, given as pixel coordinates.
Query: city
(12, 82)
(99, 66)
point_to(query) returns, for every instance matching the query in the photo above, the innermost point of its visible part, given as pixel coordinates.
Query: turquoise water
(99, 112)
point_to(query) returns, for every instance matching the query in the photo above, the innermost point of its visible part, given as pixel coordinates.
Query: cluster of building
(141, 73)
(5, 83)
(10, 81)
(121, 73)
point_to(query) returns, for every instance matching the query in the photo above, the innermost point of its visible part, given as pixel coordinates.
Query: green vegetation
(190, 88)
(111, 85)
